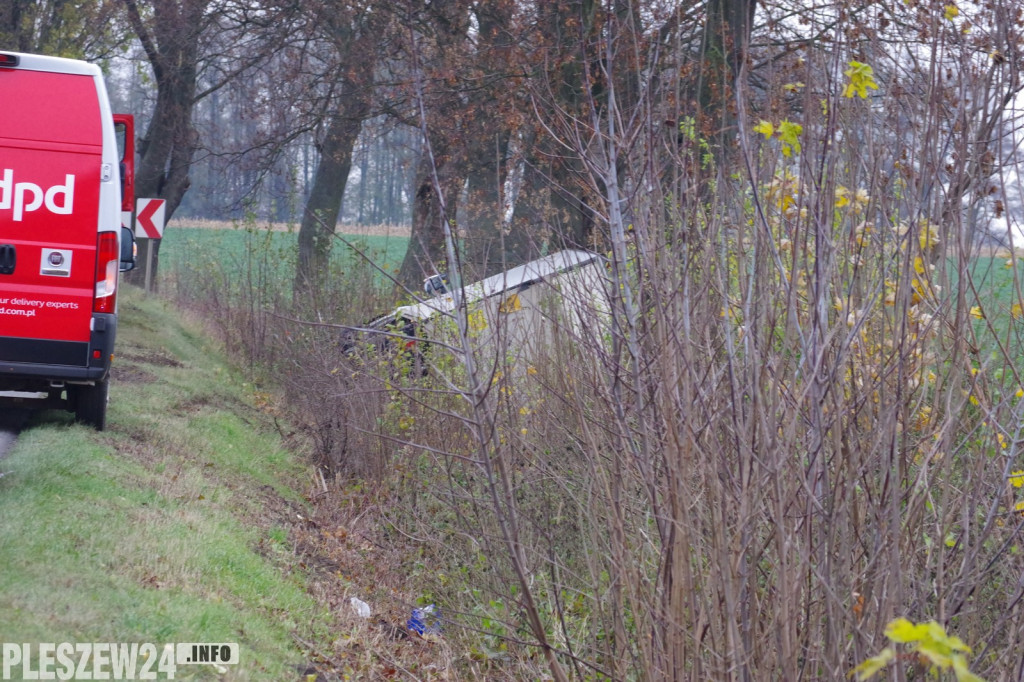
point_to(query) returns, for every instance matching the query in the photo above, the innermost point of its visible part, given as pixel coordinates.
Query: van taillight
(106, 273)
(8, 60)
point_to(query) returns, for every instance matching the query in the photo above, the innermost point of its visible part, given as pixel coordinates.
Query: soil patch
(130, 375)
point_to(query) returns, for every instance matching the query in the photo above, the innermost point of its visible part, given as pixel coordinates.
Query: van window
(49, 107)
(120, 130)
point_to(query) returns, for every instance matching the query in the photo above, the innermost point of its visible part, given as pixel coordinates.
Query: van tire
(91, 404)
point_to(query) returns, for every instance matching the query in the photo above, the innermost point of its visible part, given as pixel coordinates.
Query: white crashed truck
(515, 312)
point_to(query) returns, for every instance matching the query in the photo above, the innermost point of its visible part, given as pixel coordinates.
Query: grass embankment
(171, 526)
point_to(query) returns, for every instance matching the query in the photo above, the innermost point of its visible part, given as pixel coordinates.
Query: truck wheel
(91, 404)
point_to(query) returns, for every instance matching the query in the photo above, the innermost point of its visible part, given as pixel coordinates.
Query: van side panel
(51, 161)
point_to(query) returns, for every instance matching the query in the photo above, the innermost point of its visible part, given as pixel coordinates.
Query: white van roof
(36, 62)
(555, 263)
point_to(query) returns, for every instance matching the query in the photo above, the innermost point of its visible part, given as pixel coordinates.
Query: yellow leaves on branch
(783, 190)
(930, 642)
(928, 236)
(789, 135)
(787, 132)
(926, 231)
(765, 128)
(868, 668)
(477, 321)
(862, 77)
(856, 200)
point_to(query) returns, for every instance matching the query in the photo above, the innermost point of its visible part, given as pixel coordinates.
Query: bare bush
(797, 419)
(800, 423)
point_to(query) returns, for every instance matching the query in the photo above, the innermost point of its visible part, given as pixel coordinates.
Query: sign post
(149, 225)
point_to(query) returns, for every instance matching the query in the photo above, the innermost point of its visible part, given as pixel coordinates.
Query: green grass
(994, 289)
(244, 250)
(168, 527)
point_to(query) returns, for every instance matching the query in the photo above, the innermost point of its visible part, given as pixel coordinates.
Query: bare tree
(353, 34)
(437, 45)
(186, 42)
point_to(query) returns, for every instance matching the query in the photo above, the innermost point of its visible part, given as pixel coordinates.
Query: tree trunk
(485, 243)
(321, 214)
(353, 34)
(171, 43)
(556, 202)
(444, 111)
(726, 41)
(424, 256)
(494, 145)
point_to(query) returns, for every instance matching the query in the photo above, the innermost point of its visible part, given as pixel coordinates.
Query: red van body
(61, 239)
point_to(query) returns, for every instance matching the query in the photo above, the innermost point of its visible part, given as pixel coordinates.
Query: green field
(993, 291)
(243, 250)
(266, 257)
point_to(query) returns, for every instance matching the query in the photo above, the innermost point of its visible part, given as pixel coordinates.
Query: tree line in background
(482, 114)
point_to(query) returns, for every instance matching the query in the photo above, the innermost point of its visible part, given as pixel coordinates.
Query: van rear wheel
(91, 404)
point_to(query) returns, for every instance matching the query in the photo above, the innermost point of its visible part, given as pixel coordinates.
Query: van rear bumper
(29, 363)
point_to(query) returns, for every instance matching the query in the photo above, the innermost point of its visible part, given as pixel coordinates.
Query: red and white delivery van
(62, 177)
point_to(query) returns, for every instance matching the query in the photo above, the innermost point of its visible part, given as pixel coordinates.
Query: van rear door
(51, 167)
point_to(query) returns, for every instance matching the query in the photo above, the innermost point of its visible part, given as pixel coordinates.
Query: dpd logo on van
(25, 197)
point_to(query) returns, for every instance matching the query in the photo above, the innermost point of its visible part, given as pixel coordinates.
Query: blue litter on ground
(425, 621)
